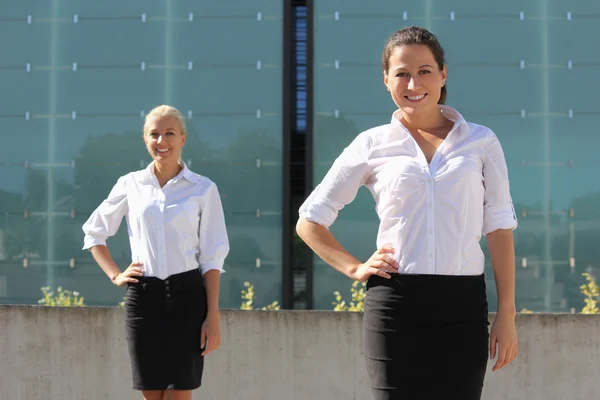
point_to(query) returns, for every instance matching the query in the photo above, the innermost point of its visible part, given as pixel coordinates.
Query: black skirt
(426, 336)
(163, 323)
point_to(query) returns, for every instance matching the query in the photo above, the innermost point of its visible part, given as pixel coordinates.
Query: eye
(401, 74)
(170, 133)
(153, 134)
(425, 71)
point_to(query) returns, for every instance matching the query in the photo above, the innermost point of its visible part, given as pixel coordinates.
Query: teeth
(415, 98)
(162, 150)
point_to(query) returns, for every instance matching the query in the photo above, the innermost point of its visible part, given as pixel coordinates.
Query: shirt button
(168, 295)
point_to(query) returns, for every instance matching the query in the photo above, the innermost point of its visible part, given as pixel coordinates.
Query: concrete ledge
(50, 353)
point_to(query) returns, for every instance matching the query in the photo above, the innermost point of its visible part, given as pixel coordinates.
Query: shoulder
(136, 176)
(481, 133)
(129, 178)
(372, 137)
(203, 183)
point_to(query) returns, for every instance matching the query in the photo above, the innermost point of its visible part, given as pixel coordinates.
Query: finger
(203, 338)
(217, 340)
(213, 343)
(137, 270)
(209, 346)
(493, 344)
(513, 354)
(386, 248)
(388, 262)
(136, 264)
(129, 274)
(379, 272)
(132, 280)
(501, 359)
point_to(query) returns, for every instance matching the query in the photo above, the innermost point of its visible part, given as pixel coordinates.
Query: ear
(385, 81)
(183, 137)
(444, 74)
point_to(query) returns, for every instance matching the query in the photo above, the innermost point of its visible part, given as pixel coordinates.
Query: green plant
(358, 292)
(249, 297)
(63, 298)
(591, 293)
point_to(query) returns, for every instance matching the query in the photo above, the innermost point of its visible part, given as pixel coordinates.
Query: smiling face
(164, 139)
(414, 79)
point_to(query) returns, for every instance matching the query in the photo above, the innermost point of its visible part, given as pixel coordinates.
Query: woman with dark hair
(439, 183)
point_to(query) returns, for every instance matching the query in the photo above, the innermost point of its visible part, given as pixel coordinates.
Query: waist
(452, 290)
(175, 281)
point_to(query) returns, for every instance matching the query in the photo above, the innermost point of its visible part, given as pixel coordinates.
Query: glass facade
(78, 80)
(525, 69)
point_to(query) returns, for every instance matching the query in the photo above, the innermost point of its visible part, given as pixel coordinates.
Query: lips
(416, 98)
(162, 151)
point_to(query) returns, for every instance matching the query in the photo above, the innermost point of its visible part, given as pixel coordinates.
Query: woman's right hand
(380, 263)
(128, 276)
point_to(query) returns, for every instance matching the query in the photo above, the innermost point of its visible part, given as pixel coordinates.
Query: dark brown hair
(415, 35)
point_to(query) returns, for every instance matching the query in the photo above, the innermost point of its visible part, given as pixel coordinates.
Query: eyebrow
(168, 129)
(422, 66)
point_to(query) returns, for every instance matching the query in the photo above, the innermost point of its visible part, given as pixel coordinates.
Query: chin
(414, 109)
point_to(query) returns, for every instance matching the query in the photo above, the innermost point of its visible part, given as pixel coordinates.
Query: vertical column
(287, 276)
(544, 76)
(428, 15)
(169, 52)
(52, 141)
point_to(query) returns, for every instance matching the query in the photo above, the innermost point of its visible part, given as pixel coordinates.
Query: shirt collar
(448, 112)
(148, 175)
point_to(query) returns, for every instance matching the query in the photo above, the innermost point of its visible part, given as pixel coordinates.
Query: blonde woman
(178, 244)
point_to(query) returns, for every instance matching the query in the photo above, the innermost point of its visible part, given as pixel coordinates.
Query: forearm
(327, 247)
(211, 283)
(105, 261)
(502, 252)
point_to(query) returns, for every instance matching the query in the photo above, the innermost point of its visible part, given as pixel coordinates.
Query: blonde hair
(166, 111)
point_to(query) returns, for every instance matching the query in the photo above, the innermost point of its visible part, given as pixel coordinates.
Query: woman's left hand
(503, 340)
(210, 336)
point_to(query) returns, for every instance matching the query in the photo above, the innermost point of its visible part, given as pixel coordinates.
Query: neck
(167, 171)
(427, 120)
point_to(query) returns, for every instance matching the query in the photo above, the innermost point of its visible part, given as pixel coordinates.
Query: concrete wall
(80, 354)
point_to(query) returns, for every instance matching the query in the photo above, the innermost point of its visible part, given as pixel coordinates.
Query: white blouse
(433, 215)
(172, 229)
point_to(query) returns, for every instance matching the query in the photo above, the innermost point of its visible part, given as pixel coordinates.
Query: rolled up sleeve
(339, 186)
(498, 212)
(213, 239)
(106, 219)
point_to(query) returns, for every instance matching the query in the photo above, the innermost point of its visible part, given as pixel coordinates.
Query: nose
(412, 83)
(160, 139)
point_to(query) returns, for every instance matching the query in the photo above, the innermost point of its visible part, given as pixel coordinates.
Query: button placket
(167, 290)
(429, 224)
(161, 236)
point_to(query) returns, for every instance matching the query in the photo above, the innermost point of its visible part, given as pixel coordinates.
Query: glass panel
(508, 69)
(75, 118)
